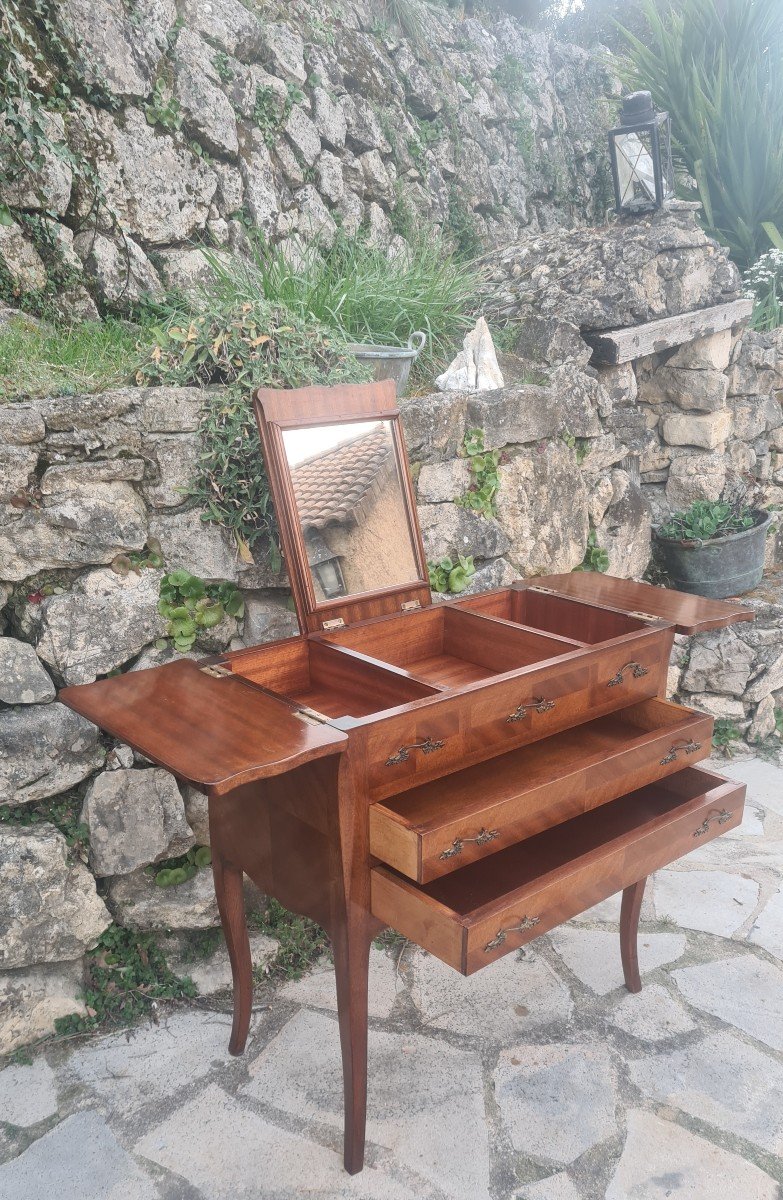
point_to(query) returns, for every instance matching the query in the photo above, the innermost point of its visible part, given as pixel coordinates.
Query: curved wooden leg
(629, 929)
(231, 905)
(351, 945)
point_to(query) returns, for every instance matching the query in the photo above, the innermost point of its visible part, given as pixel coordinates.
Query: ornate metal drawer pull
(690, 747)
(637, 670)
(539, 704)
(721, 817)
(500, 937)
(428, 746)
(459, 844)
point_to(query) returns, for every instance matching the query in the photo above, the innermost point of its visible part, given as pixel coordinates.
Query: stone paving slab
(538, 1079)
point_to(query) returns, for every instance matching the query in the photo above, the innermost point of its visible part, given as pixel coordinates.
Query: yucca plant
(717, 67)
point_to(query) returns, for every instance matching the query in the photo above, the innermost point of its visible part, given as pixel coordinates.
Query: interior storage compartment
(438, 827)
(493, 906)
(449, 647)
(555, 615)
(313, 675)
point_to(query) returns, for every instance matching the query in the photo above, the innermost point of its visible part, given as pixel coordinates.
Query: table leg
(629, 929)
(351, 939)
(231, 906)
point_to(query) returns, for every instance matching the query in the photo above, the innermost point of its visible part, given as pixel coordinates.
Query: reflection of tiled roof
(330, 485)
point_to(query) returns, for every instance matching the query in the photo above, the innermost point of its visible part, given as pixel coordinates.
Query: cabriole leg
(629, 929)
(351, 946)
(231, 905)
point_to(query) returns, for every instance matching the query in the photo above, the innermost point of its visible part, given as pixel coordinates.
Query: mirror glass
(351, 507)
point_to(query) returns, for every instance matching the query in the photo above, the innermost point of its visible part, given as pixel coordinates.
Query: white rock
(212, 974)
(44, 750)
(134, 818)
(660, 1157)
(475, 369)
(138, 902)
(652, 1015)
(502, 1005)
(23, 679)
(594, 955)
(723, 988)
(707, 353)
(556, 1101)
(767, 929)
(121, 270)
(713, 901)
(317, 988)
(427, 1107)
(707, 430)
(28, 1093)
(764, 723)
(20, 259)
(294, 1165)
(722, 1081)
(32, 999)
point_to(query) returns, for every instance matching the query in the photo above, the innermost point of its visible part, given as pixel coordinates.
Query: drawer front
(470, 941)
(631, 672)
(450, 841)
(406, 750)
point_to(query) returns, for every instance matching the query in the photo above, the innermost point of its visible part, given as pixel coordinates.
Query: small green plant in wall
(449, 576)
(190, 605)
(484, 468)
(596, 558)
(724, 734)
(181, 869)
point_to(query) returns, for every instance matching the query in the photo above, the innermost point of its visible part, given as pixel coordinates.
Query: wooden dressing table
(471, 773)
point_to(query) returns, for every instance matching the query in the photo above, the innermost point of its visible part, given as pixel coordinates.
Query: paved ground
(539, 1079)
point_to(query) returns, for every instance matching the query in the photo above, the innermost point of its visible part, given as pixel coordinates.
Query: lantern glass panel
(636, 168)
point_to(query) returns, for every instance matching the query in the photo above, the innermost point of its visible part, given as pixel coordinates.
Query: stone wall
(87, 477)
(200, 120)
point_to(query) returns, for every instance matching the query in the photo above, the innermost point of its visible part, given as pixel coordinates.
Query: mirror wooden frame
(302, 408)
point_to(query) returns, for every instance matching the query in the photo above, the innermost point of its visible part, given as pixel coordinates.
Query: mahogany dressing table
(470, 773)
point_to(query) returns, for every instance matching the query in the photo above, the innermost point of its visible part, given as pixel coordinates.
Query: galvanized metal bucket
(391, 362)
(725, 566)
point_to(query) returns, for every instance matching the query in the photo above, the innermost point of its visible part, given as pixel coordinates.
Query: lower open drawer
(483, 911)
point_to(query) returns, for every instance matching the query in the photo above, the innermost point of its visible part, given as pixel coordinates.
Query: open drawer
(485, 910)
(440, 826)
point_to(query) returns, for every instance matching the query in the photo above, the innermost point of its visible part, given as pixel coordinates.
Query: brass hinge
(546, 591)
(410, 605)
(335, 623)
(311, 716)
(643, 616)
(217, 672)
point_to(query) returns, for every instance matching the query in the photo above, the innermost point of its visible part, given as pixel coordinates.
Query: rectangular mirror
(351, 508)
(344, 502)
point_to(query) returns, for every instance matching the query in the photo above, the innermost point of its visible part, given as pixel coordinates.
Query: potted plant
(714, 548)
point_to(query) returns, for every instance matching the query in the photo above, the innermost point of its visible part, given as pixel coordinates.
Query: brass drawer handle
(500, 937)
(459, 844)
(690, 747)
(540, 705)
(721, 817)
(637, 670)
(428, 746)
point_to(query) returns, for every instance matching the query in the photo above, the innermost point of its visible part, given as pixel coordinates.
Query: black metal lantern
(325, 564)
(641, 153)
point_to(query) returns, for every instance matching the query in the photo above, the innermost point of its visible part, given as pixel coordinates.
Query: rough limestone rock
(154, 184)
(704, 391)
(118, 267)
(17, 464)
(542, 508)
(258, 177)
(23, 679)
(441, 482)
(695, 477)
(228, 23)
(625, 528)
(448, 529)
(118, 48)
(764, 721)
(720, 662)
(475, 369)
(20, 259)
(197, 546)
(708, 430)
(44, 750)
(711, 353)
(138, 902)
(267, 619)
(49, 908)
(514, 415)
(32, 1000)
(207, 111)
(176, 457)
(135, 818)
(102, 623)
(197, 814)
(73, 528)
(48, 185)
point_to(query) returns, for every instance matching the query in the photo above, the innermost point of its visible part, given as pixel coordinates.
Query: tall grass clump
(717, 67)
(359, 291)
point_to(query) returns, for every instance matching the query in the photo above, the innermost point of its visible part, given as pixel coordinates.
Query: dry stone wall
(204, 119)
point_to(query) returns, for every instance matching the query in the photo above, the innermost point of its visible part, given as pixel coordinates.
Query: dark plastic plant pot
(725, 566)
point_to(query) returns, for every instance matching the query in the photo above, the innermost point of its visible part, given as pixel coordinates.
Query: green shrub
(707, 519)
(716, 67)
(190, 605)
(88, 356)
(764, 284)
(449, 576)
